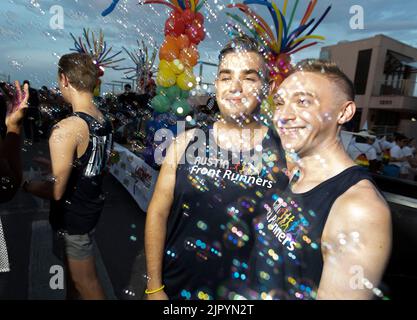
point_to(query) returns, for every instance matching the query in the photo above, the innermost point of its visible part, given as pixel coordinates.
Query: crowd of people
(392, 155)
(45, 108)
(260, 213)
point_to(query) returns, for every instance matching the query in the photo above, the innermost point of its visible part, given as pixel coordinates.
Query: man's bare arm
(356, 244)
(158, 212)
(62, 146)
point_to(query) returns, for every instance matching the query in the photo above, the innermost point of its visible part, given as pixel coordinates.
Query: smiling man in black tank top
(329, 235)
(79, 148)
(198, 238)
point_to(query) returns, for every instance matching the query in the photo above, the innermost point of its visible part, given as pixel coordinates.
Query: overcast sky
(30, 48)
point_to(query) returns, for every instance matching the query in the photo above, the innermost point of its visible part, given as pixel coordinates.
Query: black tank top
(79, 209)
(209, 239)
(287, 261)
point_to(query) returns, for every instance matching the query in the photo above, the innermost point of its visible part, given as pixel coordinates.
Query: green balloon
(181, 108)
(185, 94)
(173, 93)
(160, 103)
(161, 91)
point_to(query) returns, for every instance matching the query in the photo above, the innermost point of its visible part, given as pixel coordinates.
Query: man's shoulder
(71, 125)
(360, 204)
(359, 211)
(69, 122)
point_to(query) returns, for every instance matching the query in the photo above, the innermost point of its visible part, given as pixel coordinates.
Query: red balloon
(201, 33)
(174, 26)
(199, 17)
(188, 16)
(192, 33)
(197, 23)
(175, 14)
(100, 72)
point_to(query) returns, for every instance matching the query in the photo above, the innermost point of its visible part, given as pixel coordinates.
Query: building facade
(384, 72)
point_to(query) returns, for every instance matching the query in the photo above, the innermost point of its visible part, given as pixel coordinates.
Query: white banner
(135, 175)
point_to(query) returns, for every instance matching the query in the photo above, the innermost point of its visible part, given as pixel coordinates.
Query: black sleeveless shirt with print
(209, 236)
(79, 209)
(287, 258)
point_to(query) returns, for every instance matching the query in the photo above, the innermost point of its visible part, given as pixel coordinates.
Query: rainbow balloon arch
(184, 30)
(178, 54)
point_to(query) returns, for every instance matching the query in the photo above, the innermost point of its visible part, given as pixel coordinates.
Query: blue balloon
(110, 8)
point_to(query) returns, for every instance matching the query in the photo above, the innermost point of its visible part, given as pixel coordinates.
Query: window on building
(396, 75)
(362, 71)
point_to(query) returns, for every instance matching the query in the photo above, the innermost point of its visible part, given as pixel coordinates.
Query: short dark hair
(81, 71)
(329, 70)
(245, 43)
(128, 86)
(26, 81)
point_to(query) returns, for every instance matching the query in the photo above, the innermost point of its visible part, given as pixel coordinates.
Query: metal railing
(401, 200)
(403, 87)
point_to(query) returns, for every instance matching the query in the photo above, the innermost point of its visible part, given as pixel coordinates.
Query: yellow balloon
(166, 78)
(177, 66)
(186, 80)
(164, 64)
(96, 91)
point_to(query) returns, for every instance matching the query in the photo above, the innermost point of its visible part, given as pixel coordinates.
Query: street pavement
(34, 269)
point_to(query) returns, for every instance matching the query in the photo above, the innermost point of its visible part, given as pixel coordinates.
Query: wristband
(155, 290)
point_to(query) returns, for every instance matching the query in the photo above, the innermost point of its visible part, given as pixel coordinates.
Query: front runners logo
(280, 219)
(247, 174)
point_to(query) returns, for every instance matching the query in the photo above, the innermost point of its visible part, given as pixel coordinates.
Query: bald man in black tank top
(328, 236)
(197, 237)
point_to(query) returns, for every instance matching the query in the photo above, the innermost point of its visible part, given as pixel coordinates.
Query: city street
(119, 239)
